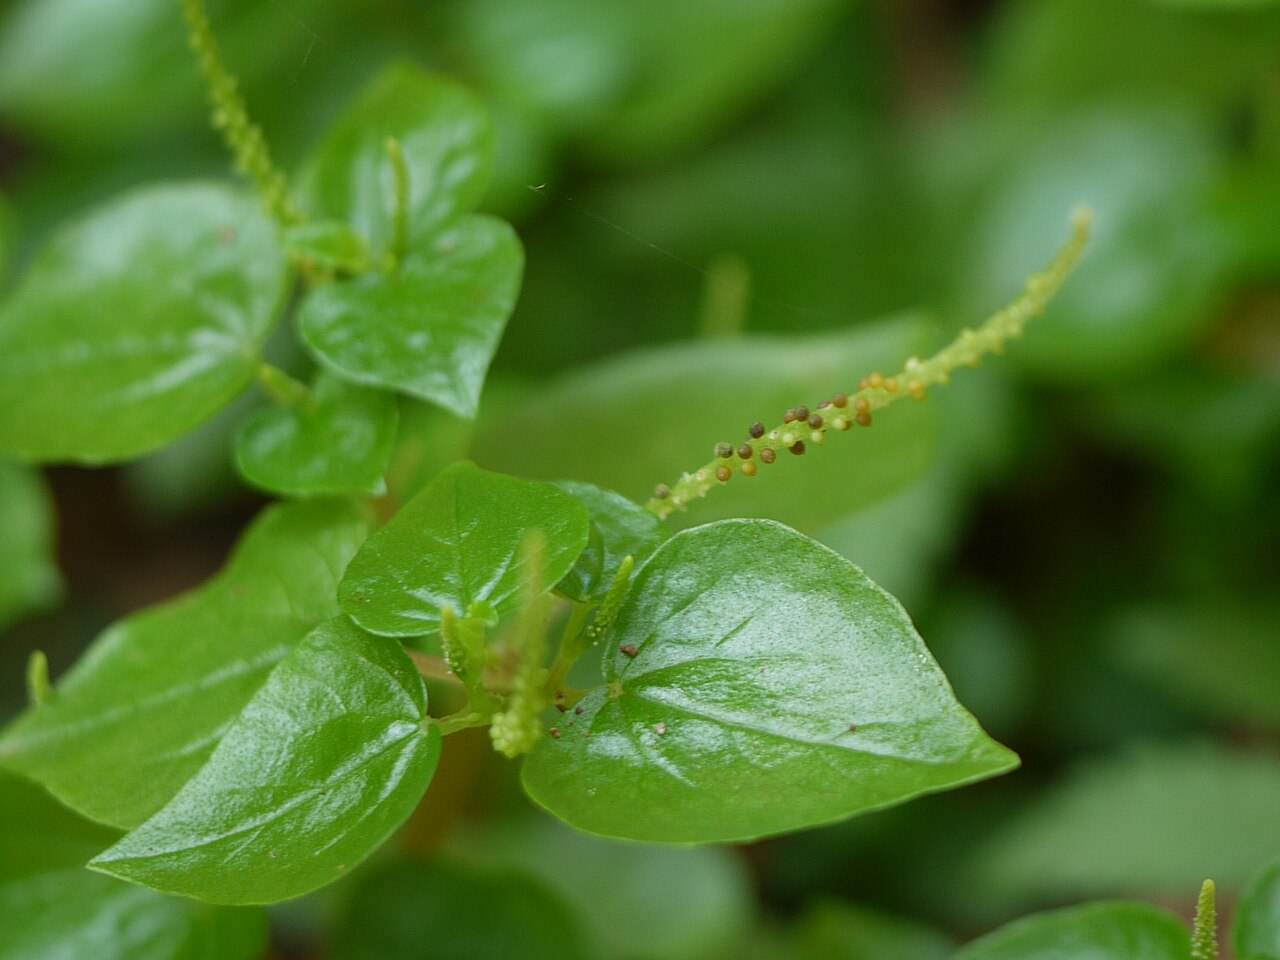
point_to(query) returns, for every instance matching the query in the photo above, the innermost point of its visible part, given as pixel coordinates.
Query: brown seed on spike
(748, 469)
(815, 421)
(864, 419)
(891, 384)
(797, 448)
(724, 450)
(840, 400)
(862, 405)
(745, 451)
(662, 491)
(788, 416)
(916, 388)
(875, 380)
(723, 474)
(757, 430)
(802, 413)
(629, 649)
(768, 455)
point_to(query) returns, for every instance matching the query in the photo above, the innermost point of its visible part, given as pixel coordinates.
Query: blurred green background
(738, 204)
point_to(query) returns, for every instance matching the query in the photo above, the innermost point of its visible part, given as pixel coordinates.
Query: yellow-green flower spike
(39, 689)
(1204, 935)
(400, 169)
(877, 391)
(243, 137)
(518, 726)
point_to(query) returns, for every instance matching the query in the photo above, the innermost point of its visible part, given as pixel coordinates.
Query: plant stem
(400, 237)
(877, 391)
(282, 388)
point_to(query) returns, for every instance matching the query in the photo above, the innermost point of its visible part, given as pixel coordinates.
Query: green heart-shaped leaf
(447, 141)
(144, 708)
(457, 544)
(137, 323)
(1096, 931)
(619, 528)
(320, 767)
(52, 907)
(429, 328)
(756, 683)
(338, 440)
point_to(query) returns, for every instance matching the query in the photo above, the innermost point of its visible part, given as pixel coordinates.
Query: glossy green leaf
(1096, 931)
(321, 766)
(672, 903)
(1257, 930)
(29, 578)
(426, 911)
(143, 709)
(430, 327)
(1155, 820)
(457, 544)
(52, 908)
(756, 683)
(137, 323)
(336, 441)
(447, 141)
(644, 417)
(619, 528)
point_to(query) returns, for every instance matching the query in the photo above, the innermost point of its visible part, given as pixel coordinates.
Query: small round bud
(875, 380)
(861, 405)
(724, 450)
(757, 430)
(840, 401)
(916, 388)
(863, 419)
(662, 491)
(815, 421)
(802, 413)
(723, 474)
(745, 451)
(768, 455)
(797, 448)
(891, 384)
(789, 416)
(818, 437)
(748, 469)
(841, 423)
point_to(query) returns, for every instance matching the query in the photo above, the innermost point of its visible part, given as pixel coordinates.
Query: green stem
(38, 688)
(282, 388)
(571, 646)
(243, 137)
(877, 391)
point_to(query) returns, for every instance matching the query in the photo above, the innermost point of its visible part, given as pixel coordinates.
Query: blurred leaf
(137, 323)
(447, 142)
(1257, 929)
(645, 416)
(1097, 931)
(337, 441)
(329, 757)
(1158, 260)
(1220, 656)
(844, 931)
(425, 911)
(123, 68)
(29, 578)
(619, 528)
(641, 83)
(457, 544)
(635, 900)
(52, 907)
(328, 245)
(756, 683)
(1051, 54)
(145, 706)
(428, 328)
(1156, 820)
